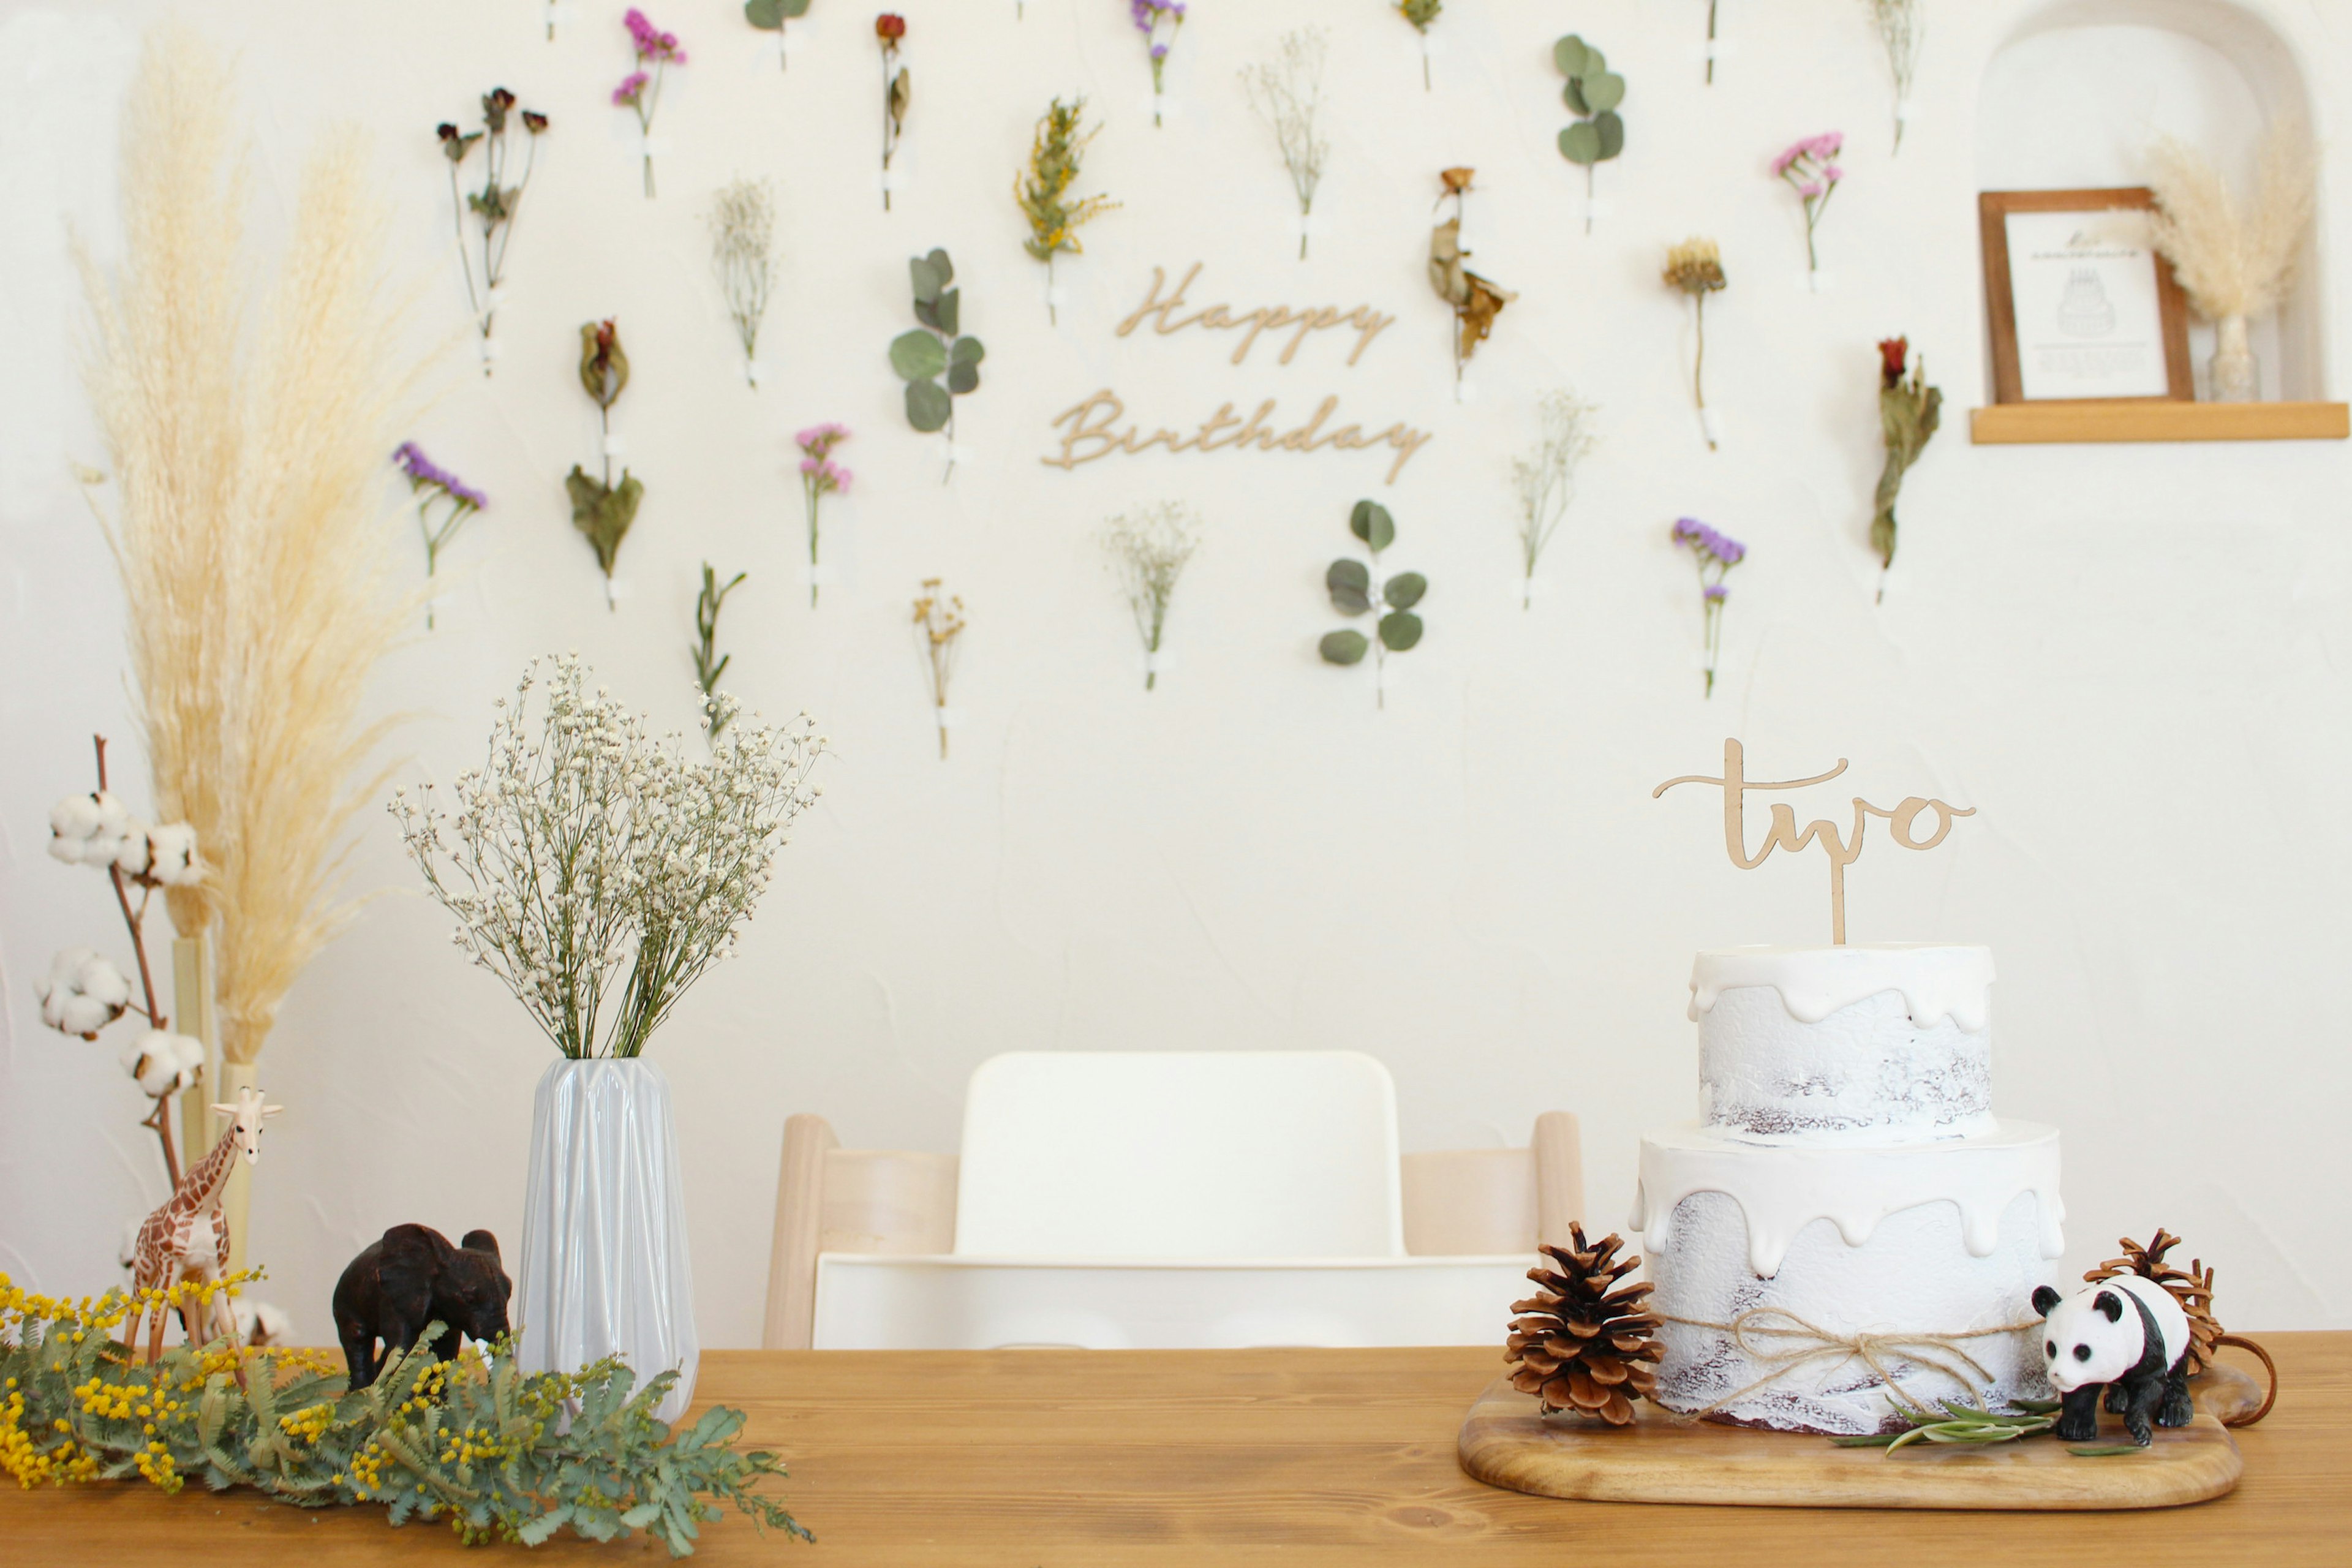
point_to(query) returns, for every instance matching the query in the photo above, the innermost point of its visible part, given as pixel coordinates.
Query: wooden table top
(1090, 1458)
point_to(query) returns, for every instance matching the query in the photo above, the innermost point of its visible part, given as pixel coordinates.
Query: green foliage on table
(1957, 1421)
(923, 355)
(474, 1440)
(1594, 92)
(1350, 584)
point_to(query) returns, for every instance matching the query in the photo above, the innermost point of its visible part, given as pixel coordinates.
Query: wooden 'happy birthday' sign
(1783, 833)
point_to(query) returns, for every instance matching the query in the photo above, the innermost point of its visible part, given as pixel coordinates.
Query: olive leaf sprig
(1957, 1421)
(1593, 91)
(602, 510)
(769, 16)
(923, 354)
(710, 664)
(1350, 582)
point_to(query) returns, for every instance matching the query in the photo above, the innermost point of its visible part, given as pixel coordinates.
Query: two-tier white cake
(1847, 1197)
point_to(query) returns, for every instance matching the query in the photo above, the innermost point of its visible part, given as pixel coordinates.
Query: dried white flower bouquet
(2234, 261)
(594, 850)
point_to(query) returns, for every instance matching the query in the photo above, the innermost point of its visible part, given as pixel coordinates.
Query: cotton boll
(172, 855)
(163, 1063)
(132, 855)
(83, 993)
(259, 1322)
(72, 822)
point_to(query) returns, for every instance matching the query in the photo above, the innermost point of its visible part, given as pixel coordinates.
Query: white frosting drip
(1936, 983)
(1782, 1188)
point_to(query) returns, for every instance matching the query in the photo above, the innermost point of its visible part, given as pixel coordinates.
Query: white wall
(2129, 660)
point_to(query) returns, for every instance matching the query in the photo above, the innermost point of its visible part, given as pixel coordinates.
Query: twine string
(1777, 1339)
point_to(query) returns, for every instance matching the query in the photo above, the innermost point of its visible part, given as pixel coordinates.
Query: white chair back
(1258, 1155)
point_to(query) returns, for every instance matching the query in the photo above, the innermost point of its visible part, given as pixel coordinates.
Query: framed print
(2082, 306)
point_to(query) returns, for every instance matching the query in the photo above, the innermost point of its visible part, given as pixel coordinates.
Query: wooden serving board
(1506, 1442)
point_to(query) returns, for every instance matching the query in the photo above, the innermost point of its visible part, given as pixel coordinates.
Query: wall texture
(2130, 661)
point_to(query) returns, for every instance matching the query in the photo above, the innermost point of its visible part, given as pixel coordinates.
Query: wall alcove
(2073, 98)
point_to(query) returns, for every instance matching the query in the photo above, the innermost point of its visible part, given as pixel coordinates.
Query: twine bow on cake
(1776, 1338)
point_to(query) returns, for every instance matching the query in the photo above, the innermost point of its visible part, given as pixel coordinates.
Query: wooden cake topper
(1783, 834)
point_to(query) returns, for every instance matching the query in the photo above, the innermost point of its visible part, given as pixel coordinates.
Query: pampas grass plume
(2233, 262)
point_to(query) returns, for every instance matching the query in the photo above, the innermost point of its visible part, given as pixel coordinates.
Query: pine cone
(2192, 1287)
(1580, 1345)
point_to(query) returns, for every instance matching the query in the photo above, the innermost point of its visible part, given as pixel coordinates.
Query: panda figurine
(2127, 1334)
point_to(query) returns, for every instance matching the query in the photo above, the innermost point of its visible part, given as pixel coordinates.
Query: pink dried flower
(626, 95)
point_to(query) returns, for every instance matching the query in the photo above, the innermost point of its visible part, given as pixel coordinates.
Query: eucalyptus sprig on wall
(935, 350)
(1354, 592)
(769, 16)
(1594, 92)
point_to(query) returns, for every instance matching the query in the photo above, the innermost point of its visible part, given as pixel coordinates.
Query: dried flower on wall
(939, 631)
(742, 251)
(601, 509)
(1350, 584)
(1055, 154)
(898, 92)
(1810, 168)
(1717, 553)
(1902, 27)
(1545, 479)
(1696, 266)
(2234, 263)
(923, 354)
(592, 851)
(432, 486)
(1710, 42)
(1908, 412)
(1594, 92)
(640, 90)
(769, 16)
(1150, 549)
(1288, 94)
(496, 204)
(1159, 21)
(1421, 13)
(1477, 300)
(85, 993)
(710, 664)
(820, 477)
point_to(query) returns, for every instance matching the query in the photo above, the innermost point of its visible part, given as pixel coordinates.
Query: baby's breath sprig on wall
(1159, 21)
(1421, 13)
(1696, 266)
(433, 485)
(769, 16)
(1350, 585)
(1717, 553)
(496, 204)
(938, 633)
(1477, 300)
(1286, 92)
(1055, 152)
(1149, 548)
(743, 252)
(1545, 479)
(1594, 92)
(640, 90)
(590, 853)
(710, 664)
(1810, 168)
(820, 477)
(898, 92)
(1908, 412)
(601, 509)
(1902, 27)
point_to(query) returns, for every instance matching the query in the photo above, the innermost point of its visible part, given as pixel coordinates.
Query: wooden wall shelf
(2157, 419)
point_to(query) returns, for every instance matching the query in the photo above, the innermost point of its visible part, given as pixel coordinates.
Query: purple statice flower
(819, 439)
(651, 42)
(425, 473)
(1717, 553)
(631, 84)
(1158, 22)
(827, 475)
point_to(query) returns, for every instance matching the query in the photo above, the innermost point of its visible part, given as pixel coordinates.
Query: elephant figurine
(413, 1276)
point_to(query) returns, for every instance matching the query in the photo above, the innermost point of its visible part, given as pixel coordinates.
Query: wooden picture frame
(2055, 365)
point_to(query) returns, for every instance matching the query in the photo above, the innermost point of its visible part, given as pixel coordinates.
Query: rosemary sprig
(1957, 1421)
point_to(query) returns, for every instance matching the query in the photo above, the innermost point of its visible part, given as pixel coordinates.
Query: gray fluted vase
(605, 1267)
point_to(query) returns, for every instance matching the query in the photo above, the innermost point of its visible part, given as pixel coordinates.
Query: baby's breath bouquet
(593, 851)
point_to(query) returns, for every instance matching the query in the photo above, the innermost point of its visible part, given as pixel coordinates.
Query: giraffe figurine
(187, 1239)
